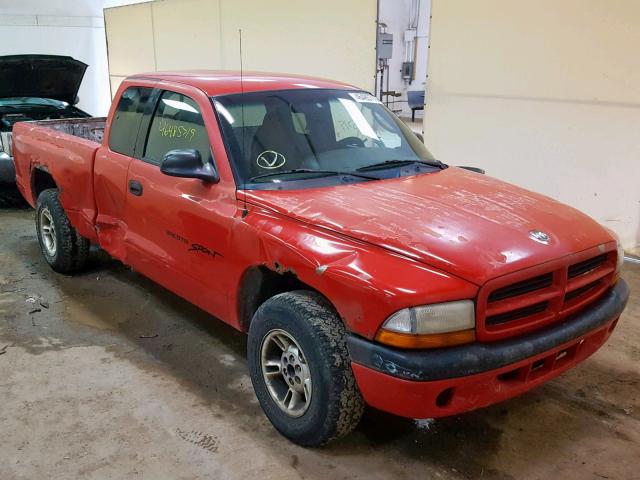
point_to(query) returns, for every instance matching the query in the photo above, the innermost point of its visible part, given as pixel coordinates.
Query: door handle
(135, 187)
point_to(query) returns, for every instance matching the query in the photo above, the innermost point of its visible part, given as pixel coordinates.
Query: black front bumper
(425, 365)
(7, 169)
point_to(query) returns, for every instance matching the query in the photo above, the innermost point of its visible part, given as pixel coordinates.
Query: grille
(579, 291)
(520, 288)
(516, 314)
(529, 299)
(586, 266)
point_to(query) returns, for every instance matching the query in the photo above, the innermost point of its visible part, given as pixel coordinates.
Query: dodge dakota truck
(303, 212)
(33, 87)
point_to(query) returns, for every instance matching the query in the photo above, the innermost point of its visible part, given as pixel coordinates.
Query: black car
(34, 87)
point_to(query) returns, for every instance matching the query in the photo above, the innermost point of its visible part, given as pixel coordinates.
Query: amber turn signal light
(433, 340)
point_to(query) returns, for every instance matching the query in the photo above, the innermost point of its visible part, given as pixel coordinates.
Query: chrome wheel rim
(286, 373)
(48, 232)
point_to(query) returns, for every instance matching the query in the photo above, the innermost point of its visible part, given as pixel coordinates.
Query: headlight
(430, 326)
(619, 256)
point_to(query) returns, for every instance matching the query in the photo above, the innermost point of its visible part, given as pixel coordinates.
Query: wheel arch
(41, 180)
(259, 283)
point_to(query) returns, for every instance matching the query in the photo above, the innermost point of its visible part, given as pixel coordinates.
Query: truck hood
(470, 225)
(43, 76)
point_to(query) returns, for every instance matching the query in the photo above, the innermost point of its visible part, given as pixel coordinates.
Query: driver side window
(177, 124)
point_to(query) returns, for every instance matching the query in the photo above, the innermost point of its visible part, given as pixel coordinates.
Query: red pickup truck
(303, 212)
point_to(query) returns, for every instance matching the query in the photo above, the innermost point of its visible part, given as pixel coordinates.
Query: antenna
(245, 212)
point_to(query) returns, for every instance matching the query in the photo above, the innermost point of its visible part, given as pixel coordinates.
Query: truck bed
(88, 128)
(65, 150)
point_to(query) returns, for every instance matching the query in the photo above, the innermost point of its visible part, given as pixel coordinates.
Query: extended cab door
(112, 162)
(179, 228)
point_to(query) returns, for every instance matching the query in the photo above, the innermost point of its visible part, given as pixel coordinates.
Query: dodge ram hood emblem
(270, 160)
(539, 236)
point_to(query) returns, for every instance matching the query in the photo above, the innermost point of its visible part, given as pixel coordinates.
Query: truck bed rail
(88, 128)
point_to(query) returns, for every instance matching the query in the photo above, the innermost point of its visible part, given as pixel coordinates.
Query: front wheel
(62, 247)
(300, 369)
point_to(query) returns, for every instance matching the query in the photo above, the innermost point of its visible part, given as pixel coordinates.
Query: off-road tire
(72, 250)
(336, 405)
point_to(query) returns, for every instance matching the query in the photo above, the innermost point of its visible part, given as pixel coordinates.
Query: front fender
(365, 283)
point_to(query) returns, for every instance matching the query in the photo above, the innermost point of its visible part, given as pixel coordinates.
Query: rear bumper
(7, 169)
(423, 384)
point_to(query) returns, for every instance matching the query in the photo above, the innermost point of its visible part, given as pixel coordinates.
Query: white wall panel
(79, 37)
(130, 39)
(63, 27)
(544, 94)
(333, 38)
(186, 34)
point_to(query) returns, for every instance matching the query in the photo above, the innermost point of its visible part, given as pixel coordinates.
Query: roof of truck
(224, 82)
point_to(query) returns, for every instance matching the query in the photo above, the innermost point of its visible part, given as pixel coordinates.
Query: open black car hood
(44, 76)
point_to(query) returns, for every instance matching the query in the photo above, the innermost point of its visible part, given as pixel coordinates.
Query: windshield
(312, 137)
(48, 102)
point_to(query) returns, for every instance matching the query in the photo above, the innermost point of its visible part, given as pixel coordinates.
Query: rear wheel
(62, 247)
(300, 369)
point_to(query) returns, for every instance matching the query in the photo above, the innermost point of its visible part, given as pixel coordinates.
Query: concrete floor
(106, 375)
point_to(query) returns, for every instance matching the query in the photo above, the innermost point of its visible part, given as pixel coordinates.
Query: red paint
(228, 82)
(420, 399)
(558, 309)
(473, 226)
(382, 246)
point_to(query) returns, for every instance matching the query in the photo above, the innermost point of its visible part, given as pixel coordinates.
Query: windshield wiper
(399, 163)
(309, 170)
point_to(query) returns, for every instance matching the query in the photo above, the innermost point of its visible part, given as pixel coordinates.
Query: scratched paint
(470, 225)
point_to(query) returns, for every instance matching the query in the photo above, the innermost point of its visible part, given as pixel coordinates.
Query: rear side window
(127, 118)
(177, 124)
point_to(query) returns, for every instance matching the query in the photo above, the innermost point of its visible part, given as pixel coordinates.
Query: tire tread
(345, 406)
(351, 408)
(72, 249)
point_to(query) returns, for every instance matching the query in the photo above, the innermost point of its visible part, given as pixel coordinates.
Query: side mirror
(76, 100)
(420, 137)
(187, 163)
(473, 169)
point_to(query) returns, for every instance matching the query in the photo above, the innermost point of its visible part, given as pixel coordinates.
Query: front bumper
(437, 383)
(7, 169)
